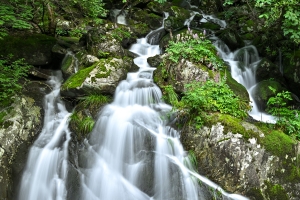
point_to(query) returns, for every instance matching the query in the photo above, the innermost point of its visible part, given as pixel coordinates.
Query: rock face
(18, 128)
(35, 49)
(241, 165)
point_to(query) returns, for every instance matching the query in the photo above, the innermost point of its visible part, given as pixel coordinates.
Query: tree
(26, 14)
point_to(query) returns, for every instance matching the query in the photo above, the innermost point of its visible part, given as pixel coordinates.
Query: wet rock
(231, 38)
(242, 165)
(102, 77)
(19, 125)
(261, 93)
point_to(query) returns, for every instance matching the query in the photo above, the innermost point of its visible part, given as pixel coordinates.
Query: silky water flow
(133, 151)
(46, 169)
(136, 152)
(243, 64)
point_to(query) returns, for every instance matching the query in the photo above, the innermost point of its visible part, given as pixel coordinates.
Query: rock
(179, 74)
(107, 39)
(19, 124)
(36, 49)
(176, 19)
(231, 39)
(242, 164)
(261, 93)
(102, 77)
(267, 70)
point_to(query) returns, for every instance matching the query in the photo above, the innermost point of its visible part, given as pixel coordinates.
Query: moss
(210, 26)
(77, 79)
(17, 45)
(231, 124)
(255, 194)
(2, 115)
(276, 192)
(236, 87)
(67, 63)
(278, 143)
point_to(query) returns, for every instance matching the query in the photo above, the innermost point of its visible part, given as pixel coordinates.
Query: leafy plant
(95, 100)
(288, 118)
(170, 95)
(284, 13)
(194, 48)
(201, 98)
(10, 74)
(121, 33)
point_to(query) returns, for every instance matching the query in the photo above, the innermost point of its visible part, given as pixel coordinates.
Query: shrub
(10, 74)
(211, 96)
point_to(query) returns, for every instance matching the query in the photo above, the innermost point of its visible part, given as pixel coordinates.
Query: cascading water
(46, 169)
(243, 63)
(134, 152)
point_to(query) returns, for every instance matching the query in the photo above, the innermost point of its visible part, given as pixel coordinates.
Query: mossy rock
(102, 77)
(159, 8)
(139, 29)
(210, 26)
(267, 70)
(276, 192)
(231, 38)
(144, 17)
(261, 93)
(236, 87)
(278, 143)
(36, 49)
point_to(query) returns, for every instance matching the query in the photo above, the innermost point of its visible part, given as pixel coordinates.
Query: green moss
(17, 45)
(276, 192)
(254, 193)
(231, 124)
(77, 79)
(67, 63)
(278, 143)
(2, 115)
(236, 87)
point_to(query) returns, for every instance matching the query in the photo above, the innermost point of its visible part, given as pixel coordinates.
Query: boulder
(19, 125)
(102, 77)
(245, 160)
(36, 49)
(261, 93)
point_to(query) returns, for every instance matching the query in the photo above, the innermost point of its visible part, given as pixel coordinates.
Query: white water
(46, 169)
(74, 60)
(134, 152)
(243, 63)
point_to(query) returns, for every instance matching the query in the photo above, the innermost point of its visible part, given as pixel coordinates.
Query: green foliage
(170, 95)
(210, 96)
(95, 101)
(15, 16)
(10, 74)
(194, 48)
(288, 118)
(22, 14)
(283, 13)
(120, 33)
(82, 124)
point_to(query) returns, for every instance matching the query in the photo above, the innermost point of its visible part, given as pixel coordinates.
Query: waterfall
(46, 169)
(133, 150)
(134, 153)
(243, 64)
